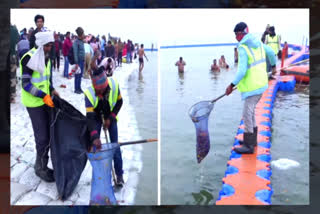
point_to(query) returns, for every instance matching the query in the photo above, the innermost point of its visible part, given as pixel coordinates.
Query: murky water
(183, 180)
(143, 93)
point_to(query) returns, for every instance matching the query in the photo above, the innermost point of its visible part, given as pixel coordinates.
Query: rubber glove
(48, 101)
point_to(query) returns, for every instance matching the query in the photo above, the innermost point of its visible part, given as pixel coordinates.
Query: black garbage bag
(69, 140)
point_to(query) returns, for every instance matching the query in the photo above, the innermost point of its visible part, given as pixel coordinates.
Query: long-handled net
(199, 114)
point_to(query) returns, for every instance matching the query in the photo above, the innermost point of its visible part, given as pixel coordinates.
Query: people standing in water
(180, 65)
(251, 80)
(223, 63)
(235, 55)
(141, 54)
(214, 66)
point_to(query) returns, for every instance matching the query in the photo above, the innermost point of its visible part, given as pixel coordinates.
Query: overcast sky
(170, 26)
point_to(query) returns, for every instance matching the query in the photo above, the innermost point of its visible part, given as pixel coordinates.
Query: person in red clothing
(285, 49)
(67, 44)
(58, 46)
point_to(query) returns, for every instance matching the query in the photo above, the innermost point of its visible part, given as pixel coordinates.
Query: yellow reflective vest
(273, 43)
(256, 75)
(113, 95)
(39, 80)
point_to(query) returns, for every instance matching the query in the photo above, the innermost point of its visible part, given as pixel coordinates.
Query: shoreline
(28, 189)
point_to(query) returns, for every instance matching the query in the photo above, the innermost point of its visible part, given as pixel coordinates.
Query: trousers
(248, 113)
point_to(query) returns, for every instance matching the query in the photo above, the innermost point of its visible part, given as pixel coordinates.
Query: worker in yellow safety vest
(36, 97)
(273, 40)
(251, 80)
(103, 99)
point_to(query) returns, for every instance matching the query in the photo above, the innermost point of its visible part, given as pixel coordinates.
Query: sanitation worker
(251, 80)
(273, 40)
(36, 94)
(103, 99)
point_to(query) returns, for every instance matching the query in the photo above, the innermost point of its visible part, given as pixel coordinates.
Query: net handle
(218, 98)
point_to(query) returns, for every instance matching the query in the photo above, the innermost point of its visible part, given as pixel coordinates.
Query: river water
(143, 91)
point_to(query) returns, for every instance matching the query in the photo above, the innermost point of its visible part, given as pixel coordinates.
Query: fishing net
(101, 187)
(199, 114)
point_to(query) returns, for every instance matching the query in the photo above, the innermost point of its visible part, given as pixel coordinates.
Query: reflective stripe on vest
(256, 75)
(41, 81)
(273, 43)
(113, 96)
(93, 98)
(112, 100)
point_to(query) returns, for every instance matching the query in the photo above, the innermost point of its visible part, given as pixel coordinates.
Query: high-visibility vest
(256, 75)
(39, 80)
(273, 43)
(113, 95)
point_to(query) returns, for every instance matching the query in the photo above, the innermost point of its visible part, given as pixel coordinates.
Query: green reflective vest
(39, 80)
(273, 43)
(256, 76)
(113, 95)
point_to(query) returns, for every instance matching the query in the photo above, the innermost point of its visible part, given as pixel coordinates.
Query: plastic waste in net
(199, 114)
(101, 188)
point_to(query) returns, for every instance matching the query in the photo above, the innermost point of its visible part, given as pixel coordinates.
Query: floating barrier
(301, 72)
(247, 178)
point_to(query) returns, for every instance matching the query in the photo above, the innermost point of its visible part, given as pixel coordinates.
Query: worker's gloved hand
(48, 101)
(97, 143)
(229, 89)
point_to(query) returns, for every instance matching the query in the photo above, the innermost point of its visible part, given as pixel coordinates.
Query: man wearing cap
(251, 80)
(273, 40)
(265, 33)
(36, 96)
(103, 99)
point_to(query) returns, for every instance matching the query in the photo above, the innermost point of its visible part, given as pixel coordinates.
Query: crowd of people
(38, 53)
(84, 47)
